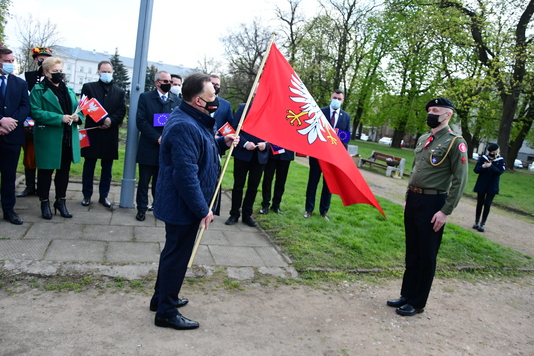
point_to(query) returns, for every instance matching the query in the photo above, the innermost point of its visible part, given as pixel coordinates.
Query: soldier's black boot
(30, 184)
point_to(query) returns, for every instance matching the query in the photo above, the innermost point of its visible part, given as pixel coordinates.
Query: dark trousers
(61, 179)
(280, 168)
(146, 173)
(484, 200)
(9, 159)
(422, 246)
(179, 243)
(253, 169)
(89, 165)
(313, 181)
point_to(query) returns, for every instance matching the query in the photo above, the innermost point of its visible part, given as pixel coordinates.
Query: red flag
(284, 113)
(84, 138)
(94, 109)
(226, 129)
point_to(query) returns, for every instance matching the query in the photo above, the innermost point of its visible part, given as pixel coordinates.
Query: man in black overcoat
(103, 133)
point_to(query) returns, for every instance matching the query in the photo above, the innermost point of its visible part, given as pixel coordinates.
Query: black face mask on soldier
(432, 120)
(57, 77)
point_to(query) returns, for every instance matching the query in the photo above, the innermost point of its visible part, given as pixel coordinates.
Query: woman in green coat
(56, 137)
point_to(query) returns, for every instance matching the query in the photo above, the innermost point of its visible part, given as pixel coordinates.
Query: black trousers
(243, 169)
(88, 175)
(146, 173)
(61, 179)
(179, 243)
(422, 246)
(280, 168)
(9, 159)
(484, 200)
(311, 190)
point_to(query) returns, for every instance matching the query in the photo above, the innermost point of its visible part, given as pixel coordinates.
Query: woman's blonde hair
(50, 62)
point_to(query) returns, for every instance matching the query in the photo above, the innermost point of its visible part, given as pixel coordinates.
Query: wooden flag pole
(229, 153)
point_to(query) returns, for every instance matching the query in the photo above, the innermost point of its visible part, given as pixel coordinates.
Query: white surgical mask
(335, 104)
(176, 90)
(106, 77)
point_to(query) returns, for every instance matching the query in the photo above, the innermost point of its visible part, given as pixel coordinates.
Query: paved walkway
(110, 241)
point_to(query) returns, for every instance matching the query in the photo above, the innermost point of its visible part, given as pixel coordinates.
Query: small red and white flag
(226, 129)
(94, 109)
(84, 138)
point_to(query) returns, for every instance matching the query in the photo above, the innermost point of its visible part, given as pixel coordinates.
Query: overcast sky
(182, 32)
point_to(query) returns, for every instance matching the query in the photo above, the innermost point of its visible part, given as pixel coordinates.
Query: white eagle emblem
(318, 123)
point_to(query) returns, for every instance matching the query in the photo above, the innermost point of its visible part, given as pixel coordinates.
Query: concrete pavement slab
(76, 250)
(132, 252)
(22, 249)
(108, 233)
(50, 230)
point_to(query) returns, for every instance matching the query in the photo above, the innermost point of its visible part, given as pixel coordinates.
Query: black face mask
(491, 155)
(217, 90)
(57, 77)
(40, 62)
(432, 120)
(211, 106)
(165, 87)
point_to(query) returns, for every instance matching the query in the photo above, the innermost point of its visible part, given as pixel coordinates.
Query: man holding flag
(103, 133)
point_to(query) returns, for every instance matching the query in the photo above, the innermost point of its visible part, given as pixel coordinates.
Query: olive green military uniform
(437, 182)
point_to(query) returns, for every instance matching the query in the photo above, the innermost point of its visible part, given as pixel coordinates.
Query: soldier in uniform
(437, 182)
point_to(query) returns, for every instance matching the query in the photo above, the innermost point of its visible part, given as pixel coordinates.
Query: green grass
(360, 238)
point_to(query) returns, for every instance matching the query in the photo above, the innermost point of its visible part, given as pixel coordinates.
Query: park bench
(391, 163)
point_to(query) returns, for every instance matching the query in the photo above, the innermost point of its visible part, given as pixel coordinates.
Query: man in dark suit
(39, 54)
(103, 133)
(339, 119)
(250, 157)
(224, 112)
(14, 108)
(152, 112)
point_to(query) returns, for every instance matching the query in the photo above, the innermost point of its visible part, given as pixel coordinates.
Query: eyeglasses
(164, 81)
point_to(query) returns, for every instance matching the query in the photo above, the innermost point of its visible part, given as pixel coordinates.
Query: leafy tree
(150, 77)
(120, 73)
(504, 49)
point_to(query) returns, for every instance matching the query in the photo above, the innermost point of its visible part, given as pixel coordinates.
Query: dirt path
(488, 317)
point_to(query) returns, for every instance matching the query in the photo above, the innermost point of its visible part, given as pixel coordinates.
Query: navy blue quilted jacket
(188, 167)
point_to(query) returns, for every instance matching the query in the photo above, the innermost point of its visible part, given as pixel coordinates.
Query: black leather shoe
(140, 216)
(181, 303)
(231, 220)
(105, 202)
(178, 322)
(27, 191)
(476, 226)
(86, 201)
(150, 207)
(277, 210)
(395, 303)
(12, 217)
(481, 227)
(249, 221)
(264, 211)
(408, 310)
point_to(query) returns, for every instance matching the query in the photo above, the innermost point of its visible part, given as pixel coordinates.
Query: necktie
(3, 85)
(333, 119)
(428, 140)
(164, 98)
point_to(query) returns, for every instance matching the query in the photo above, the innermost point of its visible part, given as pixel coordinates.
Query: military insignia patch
(462, 147)
(464, 160)
(434, 160)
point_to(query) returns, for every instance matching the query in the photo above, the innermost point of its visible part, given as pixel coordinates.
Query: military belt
(425, 191)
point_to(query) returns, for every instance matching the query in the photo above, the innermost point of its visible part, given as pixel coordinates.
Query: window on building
(81, 69)
(90, 70)
(80, 80)
(69, 67)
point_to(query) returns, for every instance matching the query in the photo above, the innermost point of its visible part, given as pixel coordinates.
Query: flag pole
(229, 153)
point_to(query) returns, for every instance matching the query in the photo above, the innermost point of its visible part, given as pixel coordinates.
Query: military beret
(441, 102)
(493, 147)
